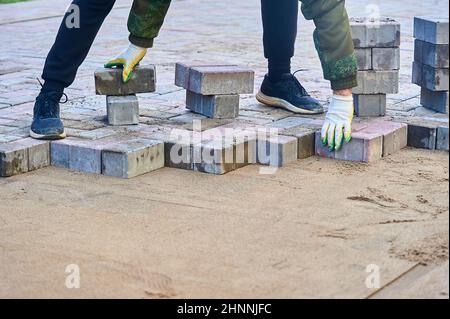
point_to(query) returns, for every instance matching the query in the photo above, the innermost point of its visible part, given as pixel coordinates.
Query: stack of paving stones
(377, 49)
(121, 102)
(213, 89)
(431, 62)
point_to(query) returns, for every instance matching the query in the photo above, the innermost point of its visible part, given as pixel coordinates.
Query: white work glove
(338, 122)
(128, 59)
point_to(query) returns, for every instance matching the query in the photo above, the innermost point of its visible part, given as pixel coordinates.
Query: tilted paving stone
(370, 105)
(182, 70)
(442, 138)
(375, 82)
(132, 158)
(220, 80)
(213, 106)
(122, 110)
(383, 33)
(384, 59)
(435, 55)
(431, 29)
(277, 151)
(434, 100)
(23, 155)
(109, 81)
(365, 146)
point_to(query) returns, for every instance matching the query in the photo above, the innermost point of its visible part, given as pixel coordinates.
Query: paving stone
(22, 156)
(9, 138)
(277, 151)
(430, 78)
(182, 71)
(132, 158)
(417, 74)
(370, 105)
(109, 81)
(122, 110)
(435, 55)
(367, 33)
(213, 106)
(364, 58)
(306, 140)
(214, 157)
(221, 80)
(375, 82)
(395, 135)
(422, 135)
(178, 150)
(79, 155)
(431, 29)
(365, 146)
(13, 159)
(384, 59)
(442, 138)
(434, 100)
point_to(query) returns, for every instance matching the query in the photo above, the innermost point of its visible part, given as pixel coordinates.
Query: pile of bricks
(122, 105)
(431, 62)
(213, 90)
(377, 50)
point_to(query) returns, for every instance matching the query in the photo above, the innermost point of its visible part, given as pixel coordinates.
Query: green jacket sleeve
(145, 21)
(333, 41)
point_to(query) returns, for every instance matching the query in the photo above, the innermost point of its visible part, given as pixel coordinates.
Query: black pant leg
(73, 44)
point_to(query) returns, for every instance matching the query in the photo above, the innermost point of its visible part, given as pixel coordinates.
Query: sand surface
(310, 230)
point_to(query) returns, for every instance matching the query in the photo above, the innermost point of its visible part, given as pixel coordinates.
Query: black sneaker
(47, 124)
(289, 94)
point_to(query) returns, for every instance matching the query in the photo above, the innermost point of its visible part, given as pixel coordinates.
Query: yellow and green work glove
(128, 59)
(337, 128)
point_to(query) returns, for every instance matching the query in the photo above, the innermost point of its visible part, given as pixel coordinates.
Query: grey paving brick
(435, 55)
(182, 71)
(364, 58)
(375, 82)
(13, 159)
(122, 110)
(214, 157)
(431, 29)
(306, 140)
(395, 135)
(109, 81)
(23, 155)
(370, 105)
(442, 138)
(417, 74)
(367, 33)
(385, 59)
(178, 150)
(213, 106)
(435, 79)
(219, 80)
(277, 151)
(132, 158)
(365, 146)
(422, 135)
(434, 100)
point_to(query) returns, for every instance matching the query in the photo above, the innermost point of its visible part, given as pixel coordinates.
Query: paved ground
(308, 231)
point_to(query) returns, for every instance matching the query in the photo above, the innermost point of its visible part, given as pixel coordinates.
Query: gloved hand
(128, 59)
(338, 122)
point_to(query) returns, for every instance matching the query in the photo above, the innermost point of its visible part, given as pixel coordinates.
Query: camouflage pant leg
(333, 41)
(145, 21)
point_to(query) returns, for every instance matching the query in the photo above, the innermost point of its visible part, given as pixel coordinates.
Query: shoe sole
(48, 137)
(276, 102)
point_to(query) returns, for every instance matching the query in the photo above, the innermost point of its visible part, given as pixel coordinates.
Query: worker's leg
(145, 21)
(280, 30)
(333, 41)
(280, 88)
(72, 43)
